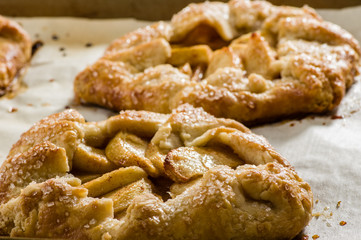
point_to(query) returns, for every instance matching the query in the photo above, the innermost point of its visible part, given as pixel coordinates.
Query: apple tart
(15, 53)
(246, 60)
(146, 175)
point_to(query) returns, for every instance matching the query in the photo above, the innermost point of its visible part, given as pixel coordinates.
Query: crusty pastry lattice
(145, 175)
(15, 53)
(246, 60)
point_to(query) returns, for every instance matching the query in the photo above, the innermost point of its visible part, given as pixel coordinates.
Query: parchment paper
(326, 152)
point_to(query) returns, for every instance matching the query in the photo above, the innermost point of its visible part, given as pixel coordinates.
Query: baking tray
(323, 149)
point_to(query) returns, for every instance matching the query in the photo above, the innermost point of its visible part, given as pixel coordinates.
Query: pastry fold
(184, 175)
(246, 60)
(15, 53)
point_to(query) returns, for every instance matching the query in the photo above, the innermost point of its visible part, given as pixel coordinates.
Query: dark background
(140, 9)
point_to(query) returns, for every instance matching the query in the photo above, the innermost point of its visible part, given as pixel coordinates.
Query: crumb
(338, 204)
(89, 44)
(343, 223)
(35, 47)
(36, 35)
(336, 117)
(312, 117)
(51, 80)
(55, 37)
(316, 201)
(12, 109)
(45, 104)
(62, 49)
(29, 104)
(67, 107)
(316, 215)
(323, 123)
(354, 111)
(64, 54)
(292, 124)
(304, 237)
(315, 236)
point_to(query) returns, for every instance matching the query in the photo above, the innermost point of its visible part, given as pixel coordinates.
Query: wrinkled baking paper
(325, 150)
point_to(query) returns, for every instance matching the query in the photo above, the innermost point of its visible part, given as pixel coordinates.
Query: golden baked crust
(144, 175)
(246, 60)
(15, 53)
